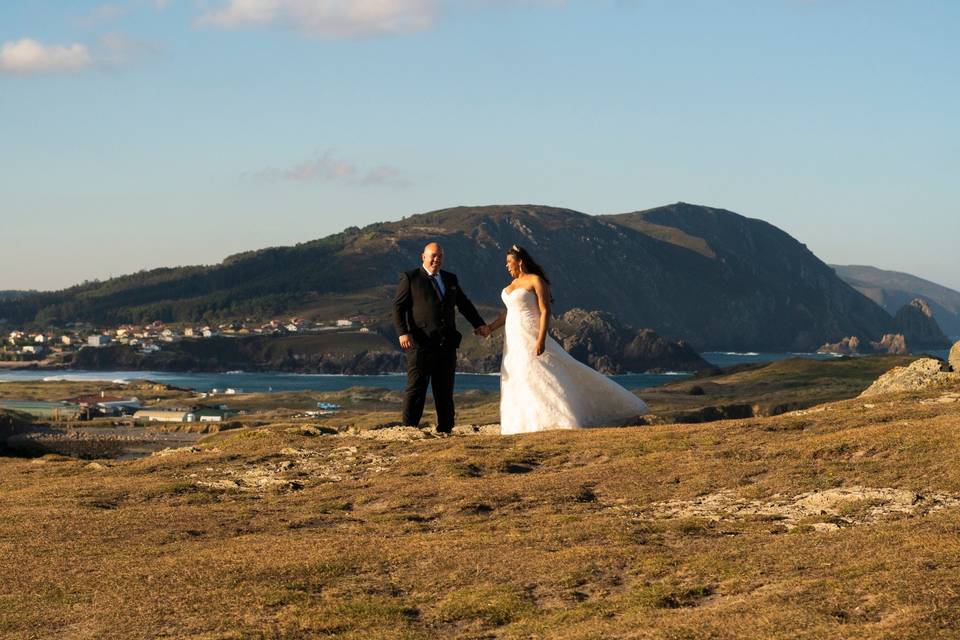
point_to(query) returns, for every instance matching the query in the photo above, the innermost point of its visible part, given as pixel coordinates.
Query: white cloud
(26, 56)
(328, 168)
(112, 50)
(326, 18)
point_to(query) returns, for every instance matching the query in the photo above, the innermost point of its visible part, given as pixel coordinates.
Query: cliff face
(893, 289)
(708, 276)
(915, 321)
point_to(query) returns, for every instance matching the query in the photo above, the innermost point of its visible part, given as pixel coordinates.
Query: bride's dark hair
(529, 264)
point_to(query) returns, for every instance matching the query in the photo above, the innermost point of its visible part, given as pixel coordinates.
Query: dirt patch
(295, 469)
(827, 510)
(403, 434)
(945, 398)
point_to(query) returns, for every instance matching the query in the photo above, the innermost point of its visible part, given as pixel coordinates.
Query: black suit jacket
(418, 310)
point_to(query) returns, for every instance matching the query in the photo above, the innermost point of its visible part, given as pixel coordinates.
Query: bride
(541, 385)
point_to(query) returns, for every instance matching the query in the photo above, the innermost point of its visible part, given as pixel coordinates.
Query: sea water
(242, 381)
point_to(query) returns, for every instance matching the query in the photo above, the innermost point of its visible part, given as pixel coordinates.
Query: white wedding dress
(553, 390)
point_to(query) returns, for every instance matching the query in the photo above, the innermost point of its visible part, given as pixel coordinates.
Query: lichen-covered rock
(924, 373)
(954, 358)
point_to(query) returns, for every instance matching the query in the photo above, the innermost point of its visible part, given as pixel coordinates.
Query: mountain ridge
(894, 289)
(706, 275)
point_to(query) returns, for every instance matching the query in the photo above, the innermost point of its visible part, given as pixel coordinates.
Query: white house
(98, 341)
(67, 340)
(345, 323)
(114, 407)
(162, 415)
(209, 415)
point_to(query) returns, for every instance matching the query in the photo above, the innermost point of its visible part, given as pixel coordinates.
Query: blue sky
(146, 133)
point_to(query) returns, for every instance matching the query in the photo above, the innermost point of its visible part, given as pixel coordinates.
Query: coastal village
(22, 345)
(23, 348)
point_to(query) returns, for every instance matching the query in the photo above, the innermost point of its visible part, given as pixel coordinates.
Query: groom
(424, 316)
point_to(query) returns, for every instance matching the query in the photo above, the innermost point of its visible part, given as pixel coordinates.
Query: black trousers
(426, 366)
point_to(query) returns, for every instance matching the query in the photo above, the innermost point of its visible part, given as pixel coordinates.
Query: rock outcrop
(916, 323)
(924, 373)
(954, 358)
(849, 346)
(597, 339)
(892, 343)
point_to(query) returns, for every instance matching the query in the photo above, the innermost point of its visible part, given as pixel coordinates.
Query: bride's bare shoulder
(536, 282)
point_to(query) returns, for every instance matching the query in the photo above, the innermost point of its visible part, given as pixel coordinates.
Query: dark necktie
(436, 287)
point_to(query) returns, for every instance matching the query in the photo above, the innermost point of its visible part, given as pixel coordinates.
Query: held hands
(406, 342)
(483, 331)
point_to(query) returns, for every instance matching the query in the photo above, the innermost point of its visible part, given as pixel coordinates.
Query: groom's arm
(401, 308)
(468, 310)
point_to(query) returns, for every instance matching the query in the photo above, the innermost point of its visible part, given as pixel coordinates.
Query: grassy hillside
(826, 523)
(765, 390)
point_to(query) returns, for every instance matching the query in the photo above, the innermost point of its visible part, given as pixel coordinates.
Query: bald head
(432, 257)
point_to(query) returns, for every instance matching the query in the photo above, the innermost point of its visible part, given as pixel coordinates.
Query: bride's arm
(499, 322)
(543, 299)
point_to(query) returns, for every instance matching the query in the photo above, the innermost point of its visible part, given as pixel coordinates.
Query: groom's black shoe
(444, 429)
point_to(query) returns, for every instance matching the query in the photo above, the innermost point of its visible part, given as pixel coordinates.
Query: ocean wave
(734, 353)
(84, 377)
(651, 374)
(344, 375)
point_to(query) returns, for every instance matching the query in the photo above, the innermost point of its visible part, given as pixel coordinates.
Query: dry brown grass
(548, 535)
